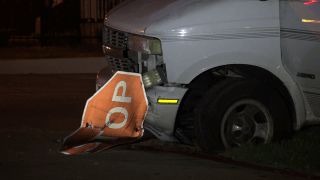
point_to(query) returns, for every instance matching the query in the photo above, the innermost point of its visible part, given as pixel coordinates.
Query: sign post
(113, 115)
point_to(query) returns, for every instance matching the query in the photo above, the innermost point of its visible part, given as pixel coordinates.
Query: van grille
(114, 38)
(118, 64)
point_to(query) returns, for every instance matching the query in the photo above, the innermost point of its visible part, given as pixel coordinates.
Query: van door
(300, 46)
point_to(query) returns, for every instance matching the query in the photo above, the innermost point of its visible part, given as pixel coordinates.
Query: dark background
(52, 22)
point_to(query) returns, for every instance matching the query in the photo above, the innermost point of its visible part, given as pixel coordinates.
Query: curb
(53, 66)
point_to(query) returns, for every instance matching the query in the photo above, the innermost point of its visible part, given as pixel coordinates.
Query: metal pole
(97, 18)
(28, 26)
(83, 29)
(103, 8)
(42, 23)
(90, 23)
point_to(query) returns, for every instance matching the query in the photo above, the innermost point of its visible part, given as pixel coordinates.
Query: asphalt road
(36, 111)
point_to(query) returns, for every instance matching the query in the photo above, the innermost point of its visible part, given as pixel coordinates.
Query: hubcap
(246, 121)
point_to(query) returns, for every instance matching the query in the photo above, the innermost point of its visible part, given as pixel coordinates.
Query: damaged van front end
(143, 55)
(217, 72)
(128, 48)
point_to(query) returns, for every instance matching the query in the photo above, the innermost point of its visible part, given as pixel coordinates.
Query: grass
(301, 153)
(50, 52)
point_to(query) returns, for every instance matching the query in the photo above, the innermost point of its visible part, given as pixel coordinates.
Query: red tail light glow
(310, 2)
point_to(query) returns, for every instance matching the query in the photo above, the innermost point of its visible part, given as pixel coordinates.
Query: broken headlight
(151, 78)
(155, 77)
(144, 44)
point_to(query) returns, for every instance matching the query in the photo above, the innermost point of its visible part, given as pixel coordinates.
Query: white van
(223, 72)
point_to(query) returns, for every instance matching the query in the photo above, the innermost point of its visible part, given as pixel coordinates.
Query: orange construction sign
(113, 115)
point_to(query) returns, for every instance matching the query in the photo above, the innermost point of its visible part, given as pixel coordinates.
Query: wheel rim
(246, 121)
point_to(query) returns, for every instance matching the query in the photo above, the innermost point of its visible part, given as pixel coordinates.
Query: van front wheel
(240, 111)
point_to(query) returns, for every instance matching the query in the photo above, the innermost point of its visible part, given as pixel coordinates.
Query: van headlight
(155, 77)
(151, 78)
(144, 44)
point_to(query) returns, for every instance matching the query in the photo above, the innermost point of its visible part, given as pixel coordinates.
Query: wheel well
(202, 83)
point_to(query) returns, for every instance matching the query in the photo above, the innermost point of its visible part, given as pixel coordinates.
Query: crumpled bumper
(160, 115)
(103, 76)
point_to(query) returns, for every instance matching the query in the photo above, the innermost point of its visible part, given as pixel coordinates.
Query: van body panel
(300, 46)
(134, 16)
(280, 36)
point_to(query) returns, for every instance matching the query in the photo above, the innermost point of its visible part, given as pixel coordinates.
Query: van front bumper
(161, 115)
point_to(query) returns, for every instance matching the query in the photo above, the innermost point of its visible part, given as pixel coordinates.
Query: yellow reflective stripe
(173, 101)
(310, 21)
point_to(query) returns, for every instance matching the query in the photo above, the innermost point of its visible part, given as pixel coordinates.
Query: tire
(240, 111)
